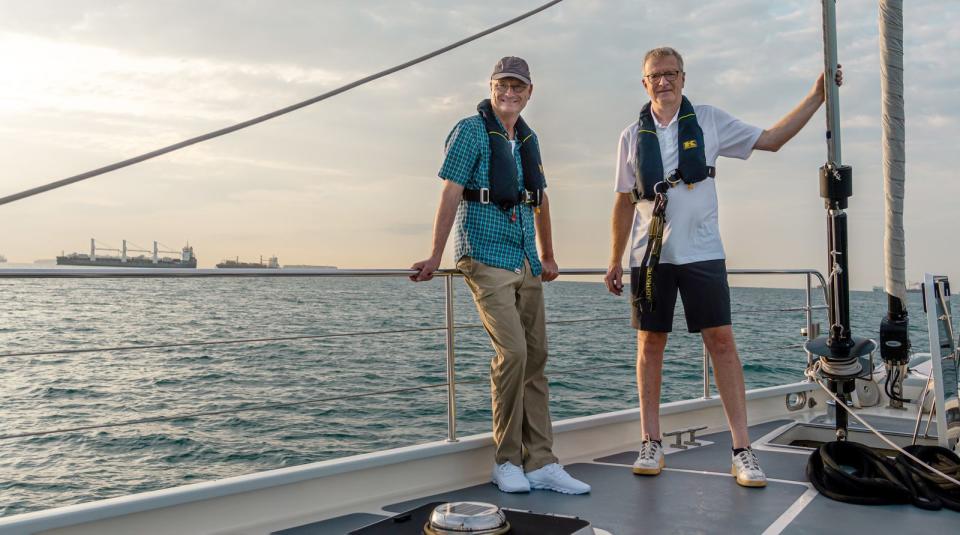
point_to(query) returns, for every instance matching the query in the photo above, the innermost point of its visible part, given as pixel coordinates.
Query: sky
(352, 181)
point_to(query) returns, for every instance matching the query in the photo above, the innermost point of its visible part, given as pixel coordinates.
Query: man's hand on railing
(550, 269)
(614, 279)
(425, 268)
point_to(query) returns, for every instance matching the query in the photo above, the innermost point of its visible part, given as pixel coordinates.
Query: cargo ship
(272, 263)
(186, 259)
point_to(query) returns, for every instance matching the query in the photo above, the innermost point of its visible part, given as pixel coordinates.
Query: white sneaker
(509, 477)
(554, 477)
(746, 468)
(650, 461)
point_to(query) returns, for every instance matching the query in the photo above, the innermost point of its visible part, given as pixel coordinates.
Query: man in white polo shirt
(665, 178)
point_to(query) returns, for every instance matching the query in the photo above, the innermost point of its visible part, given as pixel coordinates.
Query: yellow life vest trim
(499, 134)
(648, 132)
(687, 115)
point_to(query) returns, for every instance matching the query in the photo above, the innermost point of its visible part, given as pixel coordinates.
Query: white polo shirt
(692, 231)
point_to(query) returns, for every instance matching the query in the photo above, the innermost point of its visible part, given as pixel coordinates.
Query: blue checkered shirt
(484, 232)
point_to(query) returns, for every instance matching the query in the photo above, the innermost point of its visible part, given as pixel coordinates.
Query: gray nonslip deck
(716, 457)
(695, 494)
(622, 503)
(333, 526)
(824, 515)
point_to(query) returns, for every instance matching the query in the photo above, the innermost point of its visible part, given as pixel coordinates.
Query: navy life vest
(692, 166)
(504, 184)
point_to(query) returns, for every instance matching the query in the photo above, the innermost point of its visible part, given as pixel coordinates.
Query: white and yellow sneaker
(650, 461)
(746, 468)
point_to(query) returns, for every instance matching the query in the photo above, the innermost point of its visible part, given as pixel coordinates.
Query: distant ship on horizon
(912, 288)
(307, 266)
(186, 259)
(3, 259)
(272, 263)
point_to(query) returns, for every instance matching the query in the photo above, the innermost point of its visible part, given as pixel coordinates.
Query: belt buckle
(484, 195)
(526, 197)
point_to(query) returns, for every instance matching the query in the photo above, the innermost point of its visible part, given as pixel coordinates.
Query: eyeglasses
(503, 87)
(671, 76)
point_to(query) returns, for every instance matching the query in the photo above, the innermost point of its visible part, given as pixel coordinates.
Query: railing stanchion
(451, 370)
(706, 373)
(809, 312)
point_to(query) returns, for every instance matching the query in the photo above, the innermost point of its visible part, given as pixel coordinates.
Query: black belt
(636, 195)
(482, 196)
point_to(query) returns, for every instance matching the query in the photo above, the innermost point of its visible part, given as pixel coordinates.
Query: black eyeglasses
(504, 87)
(671, 76)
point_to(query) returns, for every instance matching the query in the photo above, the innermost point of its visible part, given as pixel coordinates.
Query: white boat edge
(273, 500)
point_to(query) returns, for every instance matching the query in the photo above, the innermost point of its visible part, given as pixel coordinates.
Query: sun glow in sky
(352, 181)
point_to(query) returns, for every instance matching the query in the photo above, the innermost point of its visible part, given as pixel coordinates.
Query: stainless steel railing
(450, 323)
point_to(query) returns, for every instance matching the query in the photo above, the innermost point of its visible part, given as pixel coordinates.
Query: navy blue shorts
(703, 289)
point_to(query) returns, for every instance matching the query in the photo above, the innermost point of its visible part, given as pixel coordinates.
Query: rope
(266, 117)
(812, 374)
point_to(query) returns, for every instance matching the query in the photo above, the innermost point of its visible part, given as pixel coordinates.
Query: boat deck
(694, 494)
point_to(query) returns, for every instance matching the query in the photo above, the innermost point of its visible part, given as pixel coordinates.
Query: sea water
(592, 351)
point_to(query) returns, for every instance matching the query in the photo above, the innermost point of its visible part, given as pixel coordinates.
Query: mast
(839, 350)
(894, 327)
(831, 91)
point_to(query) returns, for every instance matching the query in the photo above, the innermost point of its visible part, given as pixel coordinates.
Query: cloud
(88, 82)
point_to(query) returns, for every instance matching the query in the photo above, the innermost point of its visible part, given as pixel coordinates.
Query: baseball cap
(511, 67)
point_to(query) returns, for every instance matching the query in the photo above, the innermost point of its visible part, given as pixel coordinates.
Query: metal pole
(832, 93)
(706, 373)
(451, 358)
(923, 399)
(809, 312)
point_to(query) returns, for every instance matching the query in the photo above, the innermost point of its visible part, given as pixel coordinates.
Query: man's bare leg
(728, 374)
(650, 347)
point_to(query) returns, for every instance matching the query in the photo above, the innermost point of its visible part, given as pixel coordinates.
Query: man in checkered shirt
(497, 252)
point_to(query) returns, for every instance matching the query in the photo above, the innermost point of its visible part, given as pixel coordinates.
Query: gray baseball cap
(511, 67)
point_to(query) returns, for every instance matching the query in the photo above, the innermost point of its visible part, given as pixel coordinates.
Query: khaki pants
(511, 309)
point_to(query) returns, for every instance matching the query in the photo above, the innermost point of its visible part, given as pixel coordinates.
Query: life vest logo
(692, 144)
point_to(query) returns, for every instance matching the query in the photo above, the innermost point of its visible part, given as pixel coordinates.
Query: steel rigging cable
(266, 117)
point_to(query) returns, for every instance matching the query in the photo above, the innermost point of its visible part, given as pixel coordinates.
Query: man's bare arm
(446, 212)
(545, 238)
(786, 128)
(620, 223)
